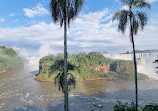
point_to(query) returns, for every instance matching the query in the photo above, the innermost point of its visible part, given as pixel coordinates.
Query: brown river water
(20, 92)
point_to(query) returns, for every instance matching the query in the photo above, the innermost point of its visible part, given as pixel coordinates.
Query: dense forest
(88, 66)
(10, 62)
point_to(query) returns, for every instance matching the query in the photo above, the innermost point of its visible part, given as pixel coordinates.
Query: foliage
(59, 79)
(121, 107)
(111, 75)
(58, 66)
(7, 51)
(125, 107)
(150, 108)
(124, 69)
(10, 62)
(85, 65)
(61, 11)
(138, 18)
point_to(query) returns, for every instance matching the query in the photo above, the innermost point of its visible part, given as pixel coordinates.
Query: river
(20, 92)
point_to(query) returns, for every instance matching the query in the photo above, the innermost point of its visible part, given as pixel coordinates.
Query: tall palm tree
(64, 11)
(137, 20)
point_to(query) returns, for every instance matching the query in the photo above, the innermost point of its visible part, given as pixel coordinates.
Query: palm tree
(136, 19)
(58, 66)
(64, 11)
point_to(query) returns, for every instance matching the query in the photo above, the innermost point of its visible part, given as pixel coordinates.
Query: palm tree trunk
(65, 65)
(135, 65)
(136, 81)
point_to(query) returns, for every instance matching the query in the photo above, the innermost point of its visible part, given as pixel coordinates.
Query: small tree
(58, 66)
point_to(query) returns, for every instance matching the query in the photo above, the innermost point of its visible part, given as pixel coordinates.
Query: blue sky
(26, 25)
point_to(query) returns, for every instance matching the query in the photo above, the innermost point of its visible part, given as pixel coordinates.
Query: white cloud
(151, 1)
(126, 7)
(38, 10)
(94, 31)
(2, 20)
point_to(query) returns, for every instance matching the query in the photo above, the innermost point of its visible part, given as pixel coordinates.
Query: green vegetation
(58, 66)
(125, 107)
(150, 108)
(123, 72)
(87, 66)
(10, 62)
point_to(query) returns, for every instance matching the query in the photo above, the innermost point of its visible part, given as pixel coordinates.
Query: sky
(27, 26)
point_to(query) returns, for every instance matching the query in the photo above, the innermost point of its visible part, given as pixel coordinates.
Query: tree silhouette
(156, 61)
(137, 20)
(58, 66)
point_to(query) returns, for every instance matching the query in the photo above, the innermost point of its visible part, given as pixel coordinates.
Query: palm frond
(126, 2)
(71, 81)
(141, 4)
(143, 19)
(57, 8)
(156, 61)
(74, 6)
(122, 17)
(59, 80)
(58, 66)
(116, 15)
(135, 25)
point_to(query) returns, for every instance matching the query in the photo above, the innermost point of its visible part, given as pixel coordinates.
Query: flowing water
(20, 92)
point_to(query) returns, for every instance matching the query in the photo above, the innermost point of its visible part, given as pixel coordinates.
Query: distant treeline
(88, 66)
(10, 62)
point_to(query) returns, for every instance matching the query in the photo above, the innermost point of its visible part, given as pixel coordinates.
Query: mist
(145, 63)
(31, 58)
(147, 67)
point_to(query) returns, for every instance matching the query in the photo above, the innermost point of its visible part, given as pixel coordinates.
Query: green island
(10, 61)
(88, 67)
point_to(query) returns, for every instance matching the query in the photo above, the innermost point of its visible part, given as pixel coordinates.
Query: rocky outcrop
(104, 69)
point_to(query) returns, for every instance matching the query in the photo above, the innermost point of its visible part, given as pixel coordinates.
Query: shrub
(150, 108)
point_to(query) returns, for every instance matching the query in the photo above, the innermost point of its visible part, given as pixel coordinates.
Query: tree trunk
(135, 64)
(65, 68)
(136, 81)
(65, 61)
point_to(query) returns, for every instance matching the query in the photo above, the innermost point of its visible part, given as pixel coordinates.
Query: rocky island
(89, 66)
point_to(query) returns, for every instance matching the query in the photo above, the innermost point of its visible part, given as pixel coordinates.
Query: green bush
(125, 107)
(150, 108)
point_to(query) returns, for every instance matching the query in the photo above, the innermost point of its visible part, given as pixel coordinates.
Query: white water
(145, 63)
